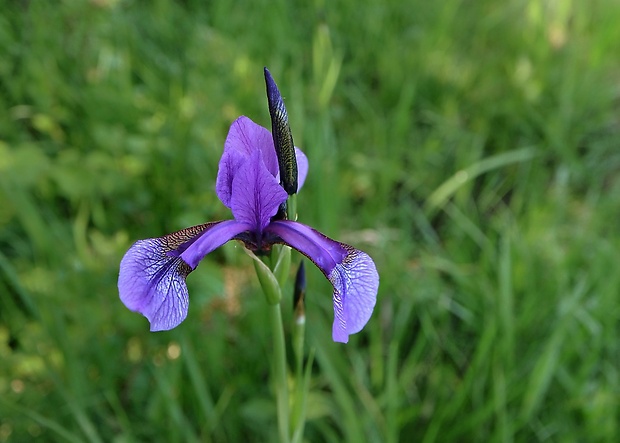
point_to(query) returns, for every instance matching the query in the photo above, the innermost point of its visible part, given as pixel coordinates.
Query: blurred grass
(470, 148)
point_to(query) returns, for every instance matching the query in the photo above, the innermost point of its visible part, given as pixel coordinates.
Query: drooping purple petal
(152, 282)
(351, 272)
(356, 283)
(256, 194)
(192, 253)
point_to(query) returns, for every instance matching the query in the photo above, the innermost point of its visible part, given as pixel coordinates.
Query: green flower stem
(268, 281)
(299, 331)
(299, 405)
(271, 279)
(292, 207)
(301, 392)
(279, 372)
(298, 345)
(273, 293)
(283, 264)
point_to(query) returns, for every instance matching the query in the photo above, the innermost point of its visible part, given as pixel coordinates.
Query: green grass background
(472, 148)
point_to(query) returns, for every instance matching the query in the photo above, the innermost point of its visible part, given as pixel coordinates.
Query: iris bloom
(153, 271)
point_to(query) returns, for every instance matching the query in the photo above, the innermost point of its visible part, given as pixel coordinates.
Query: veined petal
(351, 272)
(256, 194)
(230, 163)
(356, 282)
(152, 282)
(194, 251)
(245, 137)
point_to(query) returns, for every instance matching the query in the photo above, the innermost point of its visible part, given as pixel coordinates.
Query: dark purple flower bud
(282, 136)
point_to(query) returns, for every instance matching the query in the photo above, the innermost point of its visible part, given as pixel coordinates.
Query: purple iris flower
(153, 271)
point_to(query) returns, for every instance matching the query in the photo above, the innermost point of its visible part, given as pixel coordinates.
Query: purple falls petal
(256, 194)
(152, 282)
(194, 251)
(351, 272)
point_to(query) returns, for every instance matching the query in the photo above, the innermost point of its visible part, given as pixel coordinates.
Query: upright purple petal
(244, 138)
(230, 163)
(256, 194)
(152, 282)
(302, 167)
(351, 272)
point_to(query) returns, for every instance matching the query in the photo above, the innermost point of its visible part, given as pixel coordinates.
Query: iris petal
(351, 272)
(356, 282)
(244, 138)
(209, 240)
(256, 194)
(152, 282)
(230, 163)
(302, 167)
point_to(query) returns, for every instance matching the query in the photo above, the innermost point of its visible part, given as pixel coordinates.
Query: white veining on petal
(152, 276)
(356, 283)
(351, 272)
(153, 283)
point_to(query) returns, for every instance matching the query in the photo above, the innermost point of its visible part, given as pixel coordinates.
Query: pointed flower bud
(282, 136)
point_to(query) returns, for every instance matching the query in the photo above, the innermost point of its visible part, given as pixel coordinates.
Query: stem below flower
(292, 207)
(279, 371)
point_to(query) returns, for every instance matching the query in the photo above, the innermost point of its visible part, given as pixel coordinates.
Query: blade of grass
(441, 195)
(46, 422)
